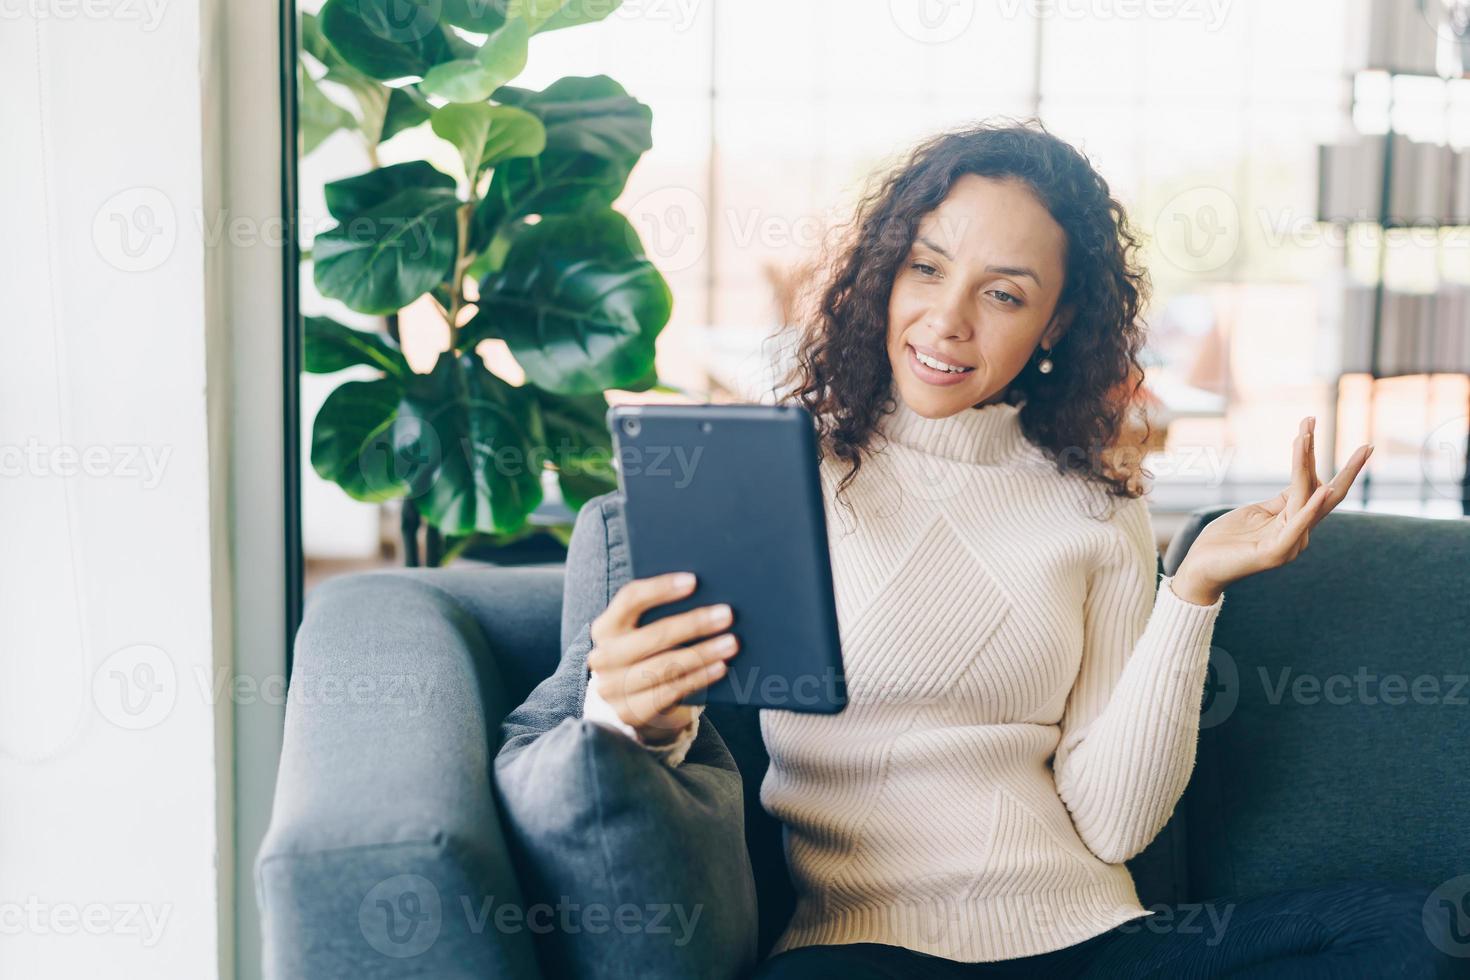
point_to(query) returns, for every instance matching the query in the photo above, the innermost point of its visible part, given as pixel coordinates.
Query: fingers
(1303, 469)
(671, 721)
(1339, 485)
(674, 664)
(1323, 499)
(1312, 452)
(645, 672)
(1302, 521)
(642, 708)
(638, 596)
(631, 646)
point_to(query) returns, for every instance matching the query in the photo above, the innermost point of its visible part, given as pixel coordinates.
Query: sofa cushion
(1335, 713)
(629, 867)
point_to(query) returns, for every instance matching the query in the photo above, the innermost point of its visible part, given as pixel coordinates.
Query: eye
(924, 268)
(1005, 297)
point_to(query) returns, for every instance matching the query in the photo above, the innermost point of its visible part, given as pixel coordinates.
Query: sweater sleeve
(1131, 725)
(596, 709)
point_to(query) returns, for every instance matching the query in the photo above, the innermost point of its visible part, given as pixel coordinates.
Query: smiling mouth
(937, 364)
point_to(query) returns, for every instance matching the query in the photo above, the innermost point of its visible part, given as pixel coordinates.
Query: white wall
(117, 776)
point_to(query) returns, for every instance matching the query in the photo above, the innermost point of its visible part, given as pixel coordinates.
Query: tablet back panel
(732, 493)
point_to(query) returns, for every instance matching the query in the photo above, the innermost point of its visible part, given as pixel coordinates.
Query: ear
(1061, 321)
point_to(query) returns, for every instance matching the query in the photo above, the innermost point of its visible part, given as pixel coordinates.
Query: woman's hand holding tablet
(643, 672)
(732, 494)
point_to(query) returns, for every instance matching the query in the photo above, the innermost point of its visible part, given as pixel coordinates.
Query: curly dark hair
(842, 373)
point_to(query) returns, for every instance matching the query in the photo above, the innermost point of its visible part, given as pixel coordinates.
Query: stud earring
(1046, 366)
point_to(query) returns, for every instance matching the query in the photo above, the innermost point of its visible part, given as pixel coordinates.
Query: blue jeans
(1371, 929)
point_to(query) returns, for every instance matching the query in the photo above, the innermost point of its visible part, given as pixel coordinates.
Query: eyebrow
(1005, 270)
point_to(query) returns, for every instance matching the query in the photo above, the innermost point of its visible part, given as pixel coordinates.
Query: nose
(948, 319)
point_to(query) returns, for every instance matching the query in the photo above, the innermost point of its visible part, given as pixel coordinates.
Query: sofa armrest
(385, 856)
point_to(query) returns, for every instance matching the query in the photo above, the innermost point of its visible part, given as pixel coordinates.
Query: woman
(1024, 707)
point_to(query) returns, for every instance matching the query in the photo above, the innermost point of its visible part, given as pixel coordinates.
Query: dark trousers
(1368, 929)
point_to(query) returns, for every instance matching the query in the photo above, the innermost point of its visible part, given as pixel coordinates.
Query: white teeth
(936, 364)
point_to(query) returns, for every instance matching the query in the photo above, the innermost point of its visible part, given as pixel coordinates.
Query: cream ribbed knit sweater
(1023, 709)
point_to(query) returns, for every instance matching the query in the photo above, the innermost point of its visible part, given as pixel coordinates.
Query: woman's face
(978, 291)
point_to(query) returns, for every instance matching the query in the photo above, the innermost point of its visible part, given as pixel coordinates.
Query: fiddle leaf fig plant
(521, 245)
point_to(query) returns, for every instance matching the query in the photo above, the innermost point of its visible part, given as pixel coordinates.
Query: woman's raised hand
(1267, 534)
(643, 672)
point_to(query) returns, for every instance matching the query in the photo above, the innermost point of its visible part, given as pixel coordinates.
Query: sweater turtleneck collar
(987, 434)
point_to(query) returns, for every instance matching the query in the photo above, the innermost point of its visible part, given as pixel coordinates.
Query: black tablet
(732, 493)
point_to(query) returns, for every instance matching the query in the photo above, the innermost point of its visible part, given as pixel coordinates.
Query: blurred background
(1298, 171)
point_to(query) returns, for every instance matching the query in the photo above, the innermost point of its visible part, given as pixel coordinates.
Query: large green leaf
(309, 35)
(352, 440)
(320, 116)
(330, 346)
(387, 39)
(595, 134)
(478, 437)
(579, 444)
(587, 113)
(501, 58)
(382, 111)
(351, 196)
(480, 16)
(486, 134)
(406, 108)
(382, 259)
(577, 303)
(491, 257)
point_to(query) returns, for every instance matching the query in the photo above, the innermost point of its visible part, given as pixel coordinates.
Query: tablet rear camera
(706, 427)
(631, 427)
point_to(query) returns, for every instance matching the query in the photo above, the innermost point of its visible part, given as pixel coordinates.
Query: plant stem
(409, 522)
(462, 260)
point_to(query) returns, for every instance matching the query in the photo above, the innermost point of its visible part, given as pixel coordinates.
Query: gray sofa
(1333, 729)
